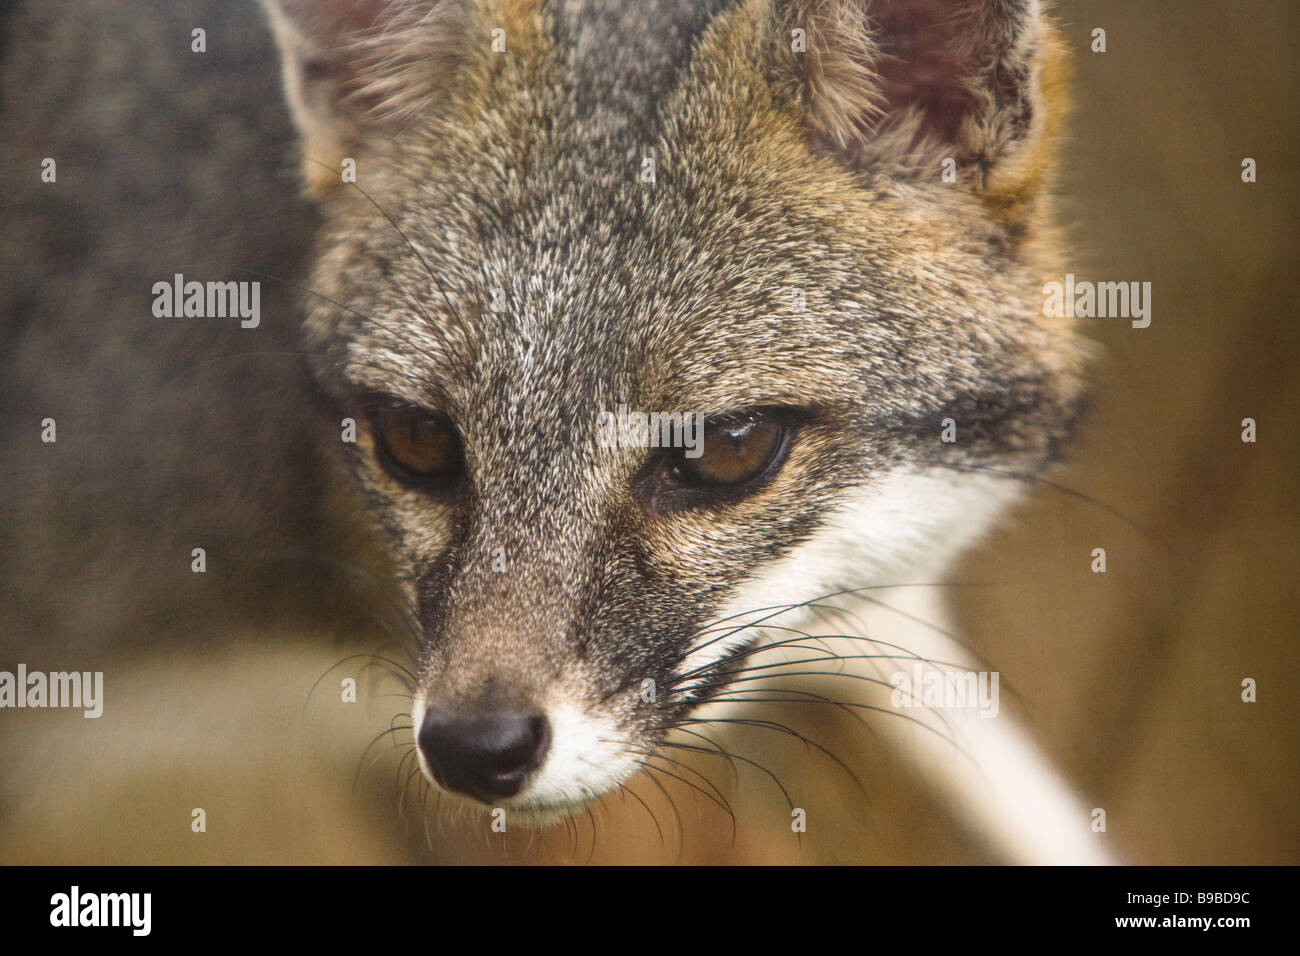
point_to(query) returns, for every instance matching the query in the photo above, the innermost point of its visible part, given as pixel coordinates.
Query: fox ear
(910, 83)
(353, 68)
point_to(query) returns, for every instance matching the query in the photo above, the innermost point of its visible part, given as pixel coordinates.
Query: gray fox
(652, 350)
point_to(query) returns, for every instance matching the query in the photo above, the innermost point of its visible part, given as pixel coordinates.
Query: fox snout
(485, 756)
(541, 754)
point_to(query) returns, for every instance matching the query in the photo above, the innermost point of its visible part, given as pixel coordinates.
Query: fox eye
(734, 451)
(418, 447)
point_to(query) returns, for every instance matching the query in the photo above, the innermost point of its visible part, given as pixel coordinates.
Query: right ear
(906, 84)
(360, 68)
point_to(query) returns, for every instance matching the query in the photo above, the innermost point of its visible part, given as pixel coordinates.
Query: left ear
(906, 84)
(361, 69)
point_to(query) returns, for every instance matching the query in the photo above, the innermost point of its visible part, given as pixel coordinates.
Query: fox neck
(881, 590)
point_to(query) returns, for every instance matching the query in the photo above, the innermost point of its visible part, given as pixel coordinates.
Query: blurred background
(1132, 678)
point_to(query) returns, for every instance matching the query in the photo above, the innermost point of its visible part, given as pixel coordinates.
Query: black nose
(484, 756)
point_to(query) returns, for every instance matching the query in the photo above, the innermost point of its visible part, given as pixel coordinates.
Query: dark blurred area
(1132, 678)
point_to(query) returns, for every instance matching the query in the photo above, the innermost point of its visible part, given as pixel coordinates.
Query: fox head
(821, 225)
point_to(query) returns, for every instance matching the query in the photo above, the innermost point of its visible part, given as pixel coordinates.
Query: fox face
(818, 230)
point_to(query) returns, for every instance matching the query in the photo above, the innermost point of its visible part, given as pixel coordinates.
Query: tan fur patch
(1013, 187)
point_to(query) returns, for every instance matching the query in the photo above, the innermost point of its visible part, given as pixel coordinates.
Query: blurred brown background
(1135, 675)
(1132, 678)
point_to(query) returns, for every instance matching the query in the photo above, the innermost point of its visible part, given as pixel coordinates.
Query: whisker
(1039, 481)
(653, 819)
(687, 768)
(743, 653)
(841, 704)
(783, 609)
(784, 729)
(719, 800)
(735, 771)
(400, 785)
(356, 776)
(396, 333)
(373, 661)
(672, 805)
(753, 763)
(442, 291)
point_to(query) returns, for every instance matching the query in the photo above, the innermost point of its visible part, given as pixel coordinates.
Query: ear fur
(906, 84)
(358, 68)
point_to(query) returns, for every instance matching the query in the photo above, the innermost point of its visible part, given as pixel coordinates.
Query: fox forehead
(556, 248)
